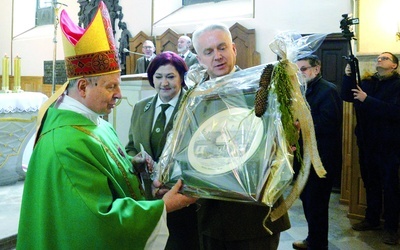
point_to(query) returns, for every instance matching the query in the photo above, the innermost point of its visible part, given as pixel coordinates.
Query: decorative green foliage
(284, 90)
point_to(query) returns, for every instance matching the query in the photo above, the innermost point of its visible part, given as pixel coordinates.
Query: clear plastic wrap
(220, 148)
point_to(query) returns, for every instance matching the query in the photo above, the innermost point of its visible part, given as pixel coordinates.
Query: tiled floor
(341, 236)
(10, 204)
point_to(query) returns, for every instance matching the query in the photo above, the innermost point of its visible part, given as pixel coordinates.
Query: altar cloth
(18, 114)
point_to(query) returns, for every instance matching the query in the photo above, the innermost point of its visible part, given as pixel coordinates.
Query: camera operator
(377, 104)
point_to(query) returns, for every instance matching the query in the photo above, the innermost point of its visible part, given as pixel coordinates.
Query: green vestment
(78, 192)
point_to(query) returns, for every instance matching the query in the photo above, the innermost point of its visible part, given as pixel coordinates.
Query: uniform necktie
(158, 131)
(146, 64)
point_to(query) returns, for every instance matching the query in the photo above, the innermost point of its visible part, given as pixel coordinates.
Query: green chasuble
(78, 192)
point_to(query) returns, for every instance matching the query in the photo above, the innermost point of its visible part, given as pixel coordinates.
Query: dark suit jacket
(140, 64)
(327, 112)
(191, 59)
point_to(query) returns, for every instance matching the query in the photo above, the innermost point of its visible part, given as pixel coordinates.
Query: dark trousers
(379, 169)
(315, 198)
(267, 243)
(182, 226)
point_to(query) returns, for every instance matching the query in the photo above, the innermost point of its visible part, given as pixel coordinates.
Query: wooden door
(331, 53)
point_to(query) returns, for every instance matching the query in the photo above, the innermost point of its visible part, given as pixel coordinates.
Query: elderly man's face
(148, 49)
(309, 72)
(183, 45)
(216, 52)
(101, 96)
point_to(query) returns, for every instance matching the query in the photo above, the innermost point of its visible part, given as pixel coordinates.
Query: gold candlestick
(17, 74)
(5, 77)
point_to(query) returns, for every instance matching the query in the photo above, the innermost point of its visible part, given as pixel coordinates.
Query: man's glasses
(384, 58)
(147, 47)
(302, 69)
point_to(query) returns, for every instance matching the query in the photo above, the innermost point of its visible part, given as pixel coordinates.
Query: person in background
(227, 224)
(166, 75)
(184, 45)
(143, 62)
(326, 111)
(81, 190)
(377, 104)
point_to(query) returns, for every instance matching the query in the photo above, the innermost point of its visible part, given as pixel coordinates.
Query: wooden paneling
(358, 201)
(245, 40)
(347, 152)
(168, 41)
(32, 84)
(47, 89)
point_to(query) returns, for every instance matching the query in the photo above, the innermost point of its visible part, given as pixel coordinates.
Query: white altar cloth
(18, 114)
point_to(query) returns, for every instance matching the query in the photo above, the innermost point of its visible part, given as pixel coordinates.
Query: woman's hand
(158, 190)
(143, 163)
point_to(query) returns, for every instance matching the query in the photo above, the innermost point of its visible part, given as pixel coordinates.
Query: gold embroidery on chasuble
(119, 165)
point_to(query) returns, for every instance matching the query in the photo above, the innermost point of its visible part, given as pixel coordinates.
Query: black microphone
(136, 53)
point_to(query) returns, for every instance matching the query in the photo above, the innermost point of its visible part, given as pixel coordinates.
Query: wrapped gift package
(219, 147)
(232, 136)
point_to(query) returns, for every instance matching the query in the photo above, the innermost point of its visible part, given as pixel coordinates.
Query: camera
(351, 59)
(345, 23)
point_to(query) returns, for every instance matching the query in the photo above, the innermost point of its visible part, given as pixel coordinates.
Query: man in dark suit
(143, 62)
(326, 111)
(227, 224)
(184, 45)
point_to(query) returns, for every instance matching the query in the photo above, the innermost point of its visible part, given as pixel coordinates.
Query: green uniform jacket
(78, 192)
(141, 126)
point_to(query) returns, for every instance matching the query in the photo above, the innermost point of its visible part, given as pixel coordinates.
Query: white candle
(17, 72)
(5, 78)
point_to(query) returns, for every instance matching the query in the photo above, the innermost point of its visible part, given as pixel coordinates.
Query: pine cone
(261, 97)
(265, 79)
(261, 101)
